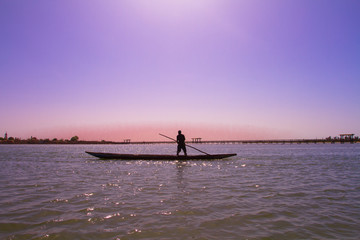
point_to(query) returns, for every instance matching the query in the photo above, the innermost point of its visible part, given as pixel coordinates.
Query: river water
(268, 191)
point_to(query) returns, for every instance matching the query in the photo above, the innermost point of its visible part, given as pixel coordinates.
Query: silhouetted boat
(102, 155)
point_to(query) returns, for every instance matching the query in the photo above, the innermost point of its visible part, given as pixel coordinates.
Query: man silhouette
(181, 143)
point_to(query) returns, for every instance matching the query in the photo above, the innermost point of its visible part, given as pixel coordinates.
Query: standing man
(181, 143)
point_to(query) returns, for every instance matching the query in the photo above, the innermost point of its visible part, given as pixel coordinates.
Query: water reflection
(181, 184)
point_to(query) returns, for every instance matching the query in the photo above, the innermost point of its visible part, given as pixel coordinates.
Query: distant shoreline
(283, 141)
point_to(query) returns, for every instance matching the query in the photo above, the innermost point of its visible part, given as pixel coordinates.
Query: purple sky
(216, 69)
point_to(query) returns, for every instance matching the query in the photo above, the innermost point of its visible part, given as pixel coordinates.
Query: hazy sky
(217, 69)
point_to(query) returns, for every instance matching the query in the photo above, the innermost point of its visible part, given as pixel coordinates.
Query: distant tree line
(34, 140)
(355, 138)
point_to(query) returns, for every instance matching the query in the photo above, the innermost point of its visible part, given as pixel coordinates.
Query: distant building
(5, 137)
(196, 140)
(347, 136)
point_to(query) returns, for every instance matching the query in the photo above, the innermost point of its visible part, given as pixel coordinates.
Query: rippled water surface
(291, 191)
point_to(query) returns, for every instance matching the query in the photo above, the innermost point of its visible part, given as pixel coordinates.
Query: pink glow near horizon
(151, 133)
(216, 69)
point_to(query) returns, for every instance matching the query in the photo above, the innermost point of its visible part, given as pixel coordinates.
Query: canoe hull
(117, 156)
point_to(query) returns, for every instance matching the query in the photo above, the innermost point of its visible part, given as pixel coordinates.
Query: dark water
(307, 191)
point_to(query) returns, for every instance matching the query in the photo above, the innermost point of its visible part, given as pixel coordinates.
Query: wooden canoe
(102, 155)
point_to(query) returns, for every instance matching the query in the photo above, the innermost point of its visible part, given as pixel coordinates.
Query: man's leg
(184, 149)
(178, 150)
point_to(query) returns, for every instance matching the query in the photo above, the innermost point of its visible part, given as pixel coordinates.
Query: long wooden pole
(185, 144)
